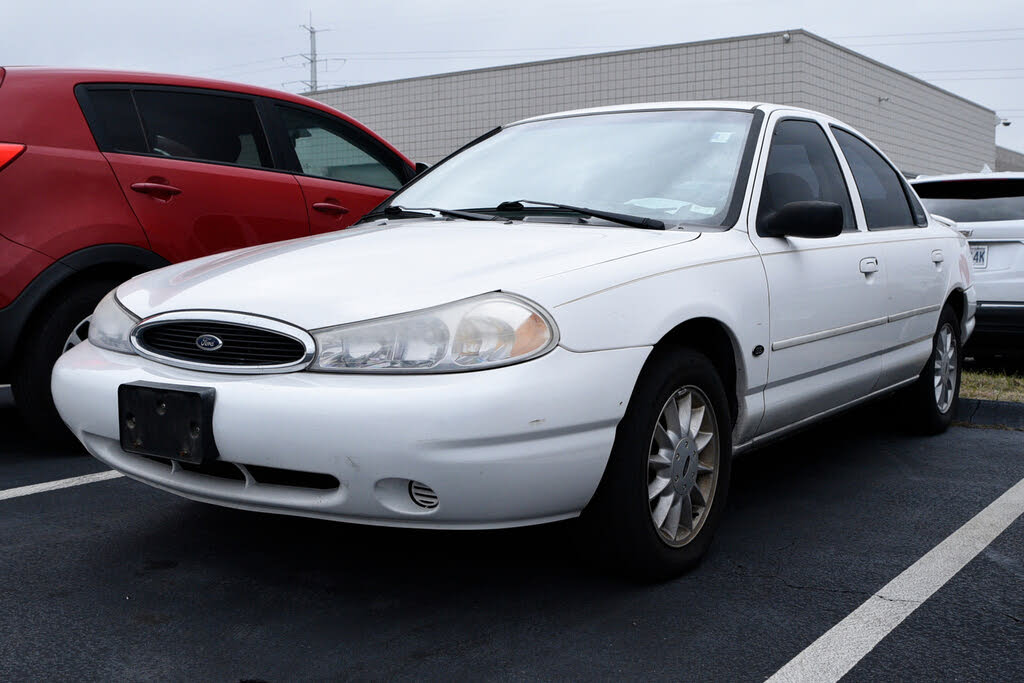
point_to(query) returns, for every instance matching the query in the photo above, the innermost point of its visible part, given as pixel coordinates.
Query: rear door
(343, 171)
(918, 258)
(196, 167)
(827, 297)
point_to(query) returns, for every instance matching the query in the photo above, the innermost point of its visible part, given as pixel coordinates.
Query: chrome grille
(213, 344)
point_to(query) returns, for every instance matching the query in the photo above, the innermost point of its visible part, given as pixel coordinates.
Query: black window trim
(359, 138)
(835, 153)
(917, 211)
(82, 91)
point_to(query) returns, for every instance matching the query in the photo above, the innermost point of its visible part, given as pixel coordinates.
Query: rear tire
(661, 477)
(45, 340)
(937, 390)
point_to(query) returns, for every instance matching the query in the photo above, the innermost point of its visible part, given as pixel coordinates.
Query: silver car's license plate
(979, 256)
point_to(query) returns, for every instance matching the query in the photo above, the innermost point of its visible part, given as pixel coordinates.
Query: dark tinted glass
(204, 127)
(881, 190)
(998, 199)
(114, 121)
(803, 167)
(327, 149)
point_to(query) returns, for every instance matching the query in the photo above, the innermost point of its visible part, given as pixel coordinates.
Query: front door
(827, 297)
(343, 172)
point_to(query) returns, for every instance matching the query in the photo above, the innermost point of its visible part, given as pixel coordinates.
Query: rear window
(204, 127)
(975, 201)
(115, 124)
(882, 190)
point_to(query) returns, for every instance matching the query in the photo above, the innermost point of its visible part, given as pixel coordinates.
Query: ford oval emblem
(208, 342)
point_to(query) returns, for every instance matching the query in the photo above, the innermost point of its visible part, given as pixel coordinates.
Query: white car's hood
(370, 272)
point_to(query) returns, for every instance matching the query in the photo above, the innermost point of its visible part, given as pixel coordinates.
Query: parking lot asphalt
(117, 580)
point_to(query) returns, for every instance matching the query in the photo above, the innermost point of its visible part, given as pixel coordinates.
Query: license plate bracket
(167, 421)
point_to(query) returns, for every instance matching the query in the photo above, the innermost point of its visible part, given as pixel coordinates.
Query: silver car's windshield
(678, 166)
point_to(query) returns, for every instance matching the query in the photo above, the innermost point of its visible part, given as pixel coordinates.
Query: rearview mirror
(803, 219)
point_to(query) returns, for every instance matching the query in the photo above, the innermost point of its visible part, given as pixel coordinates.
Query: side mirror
(803, 219)
(421, 167)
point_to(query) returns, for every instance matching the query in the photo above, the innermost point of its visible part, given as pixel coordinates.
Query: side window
(802, 166)
(881, 188)
(328, 149)
(113, 120)
(221, 129)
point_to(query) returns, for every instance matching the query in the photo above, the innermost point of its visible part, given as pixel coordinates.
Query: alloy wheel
(945, 368)
(682, 466)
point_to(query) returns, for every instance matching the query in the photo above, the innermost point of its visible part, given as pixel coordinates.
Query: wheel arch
(113, 261)
(957, 299)
(715, 340)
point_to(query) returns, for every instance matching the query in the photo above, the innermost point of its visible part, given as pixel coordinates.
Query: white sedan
(586, 313)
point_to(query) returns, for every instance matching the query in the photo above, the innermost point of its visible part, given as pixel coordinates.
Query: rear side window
(221, 129)
(997, 199)
(115, 123)
(802, 166)
(328, 149)
(882, 192)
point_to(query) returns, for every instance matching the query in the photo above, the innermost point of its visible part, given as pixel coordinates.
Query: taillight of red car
(9, 151)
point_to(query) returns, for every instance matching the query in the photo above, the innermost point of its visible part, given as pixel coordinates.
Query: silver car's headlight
(110, 325)
(482, 332)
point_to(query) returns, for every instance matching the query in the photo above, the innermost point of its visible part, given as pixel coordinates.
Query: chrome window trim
(214, 316)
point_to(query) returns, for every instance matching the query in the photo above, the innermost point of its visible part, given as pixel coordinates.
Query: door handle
(330, 208)
(869, 265)
(156, 189)
(937, 256)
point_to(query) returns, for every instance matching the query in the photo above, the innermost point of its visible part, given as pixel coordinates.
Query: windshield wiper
(395, 210)
(621, 218)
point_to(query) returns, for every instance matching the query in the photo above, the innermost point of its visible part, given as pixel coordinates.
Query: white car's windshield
(674, 166)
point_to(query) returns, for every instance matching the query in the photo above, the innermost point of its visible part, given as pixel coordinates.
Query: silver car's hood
(375, 271)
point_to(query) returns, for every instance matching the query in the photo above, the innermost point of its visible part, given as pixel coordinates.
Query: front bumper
(523, 444)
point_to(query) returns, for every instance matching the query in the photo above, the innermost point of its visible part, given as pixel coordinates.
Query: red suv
(106, 174)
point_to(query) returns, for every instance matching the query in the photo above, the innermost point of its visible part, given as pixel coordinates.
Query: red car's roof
(73, 77)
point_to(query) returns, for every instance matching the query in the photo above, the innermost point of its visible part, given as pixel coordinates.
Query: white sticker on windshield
(706, 210)
(721, 137)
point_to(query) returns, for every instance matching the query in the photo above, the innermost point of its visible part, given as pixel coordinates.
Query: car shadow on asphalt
(337, 554)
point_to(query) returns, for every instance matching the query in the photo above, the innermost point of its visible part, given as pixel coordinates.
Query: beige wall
(923, 129)
(1008, 160)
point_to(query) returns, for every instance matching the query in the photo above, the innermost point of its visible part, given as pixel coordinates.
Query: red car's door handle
(331, 208)
(157, 189)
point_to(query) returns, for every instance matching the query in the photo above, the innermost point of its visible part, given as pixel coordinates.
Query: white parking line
(839, 649)
(58, 484)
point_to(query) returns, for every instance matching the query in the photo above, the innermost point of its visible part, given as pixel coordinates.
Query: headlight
(483, 332)
(110, 325)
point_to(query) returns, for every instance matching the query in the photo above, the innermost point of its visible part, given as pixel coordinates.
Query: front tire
(60, 327)
(664, 488)
(937, 390)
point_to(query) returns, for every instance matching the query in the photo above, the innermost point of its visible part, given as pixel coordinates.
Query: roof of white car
(1001, 175)
(658, 106)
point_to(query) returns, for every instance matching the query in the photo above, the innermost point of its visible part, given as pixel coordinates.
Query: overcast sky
(974, 49)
